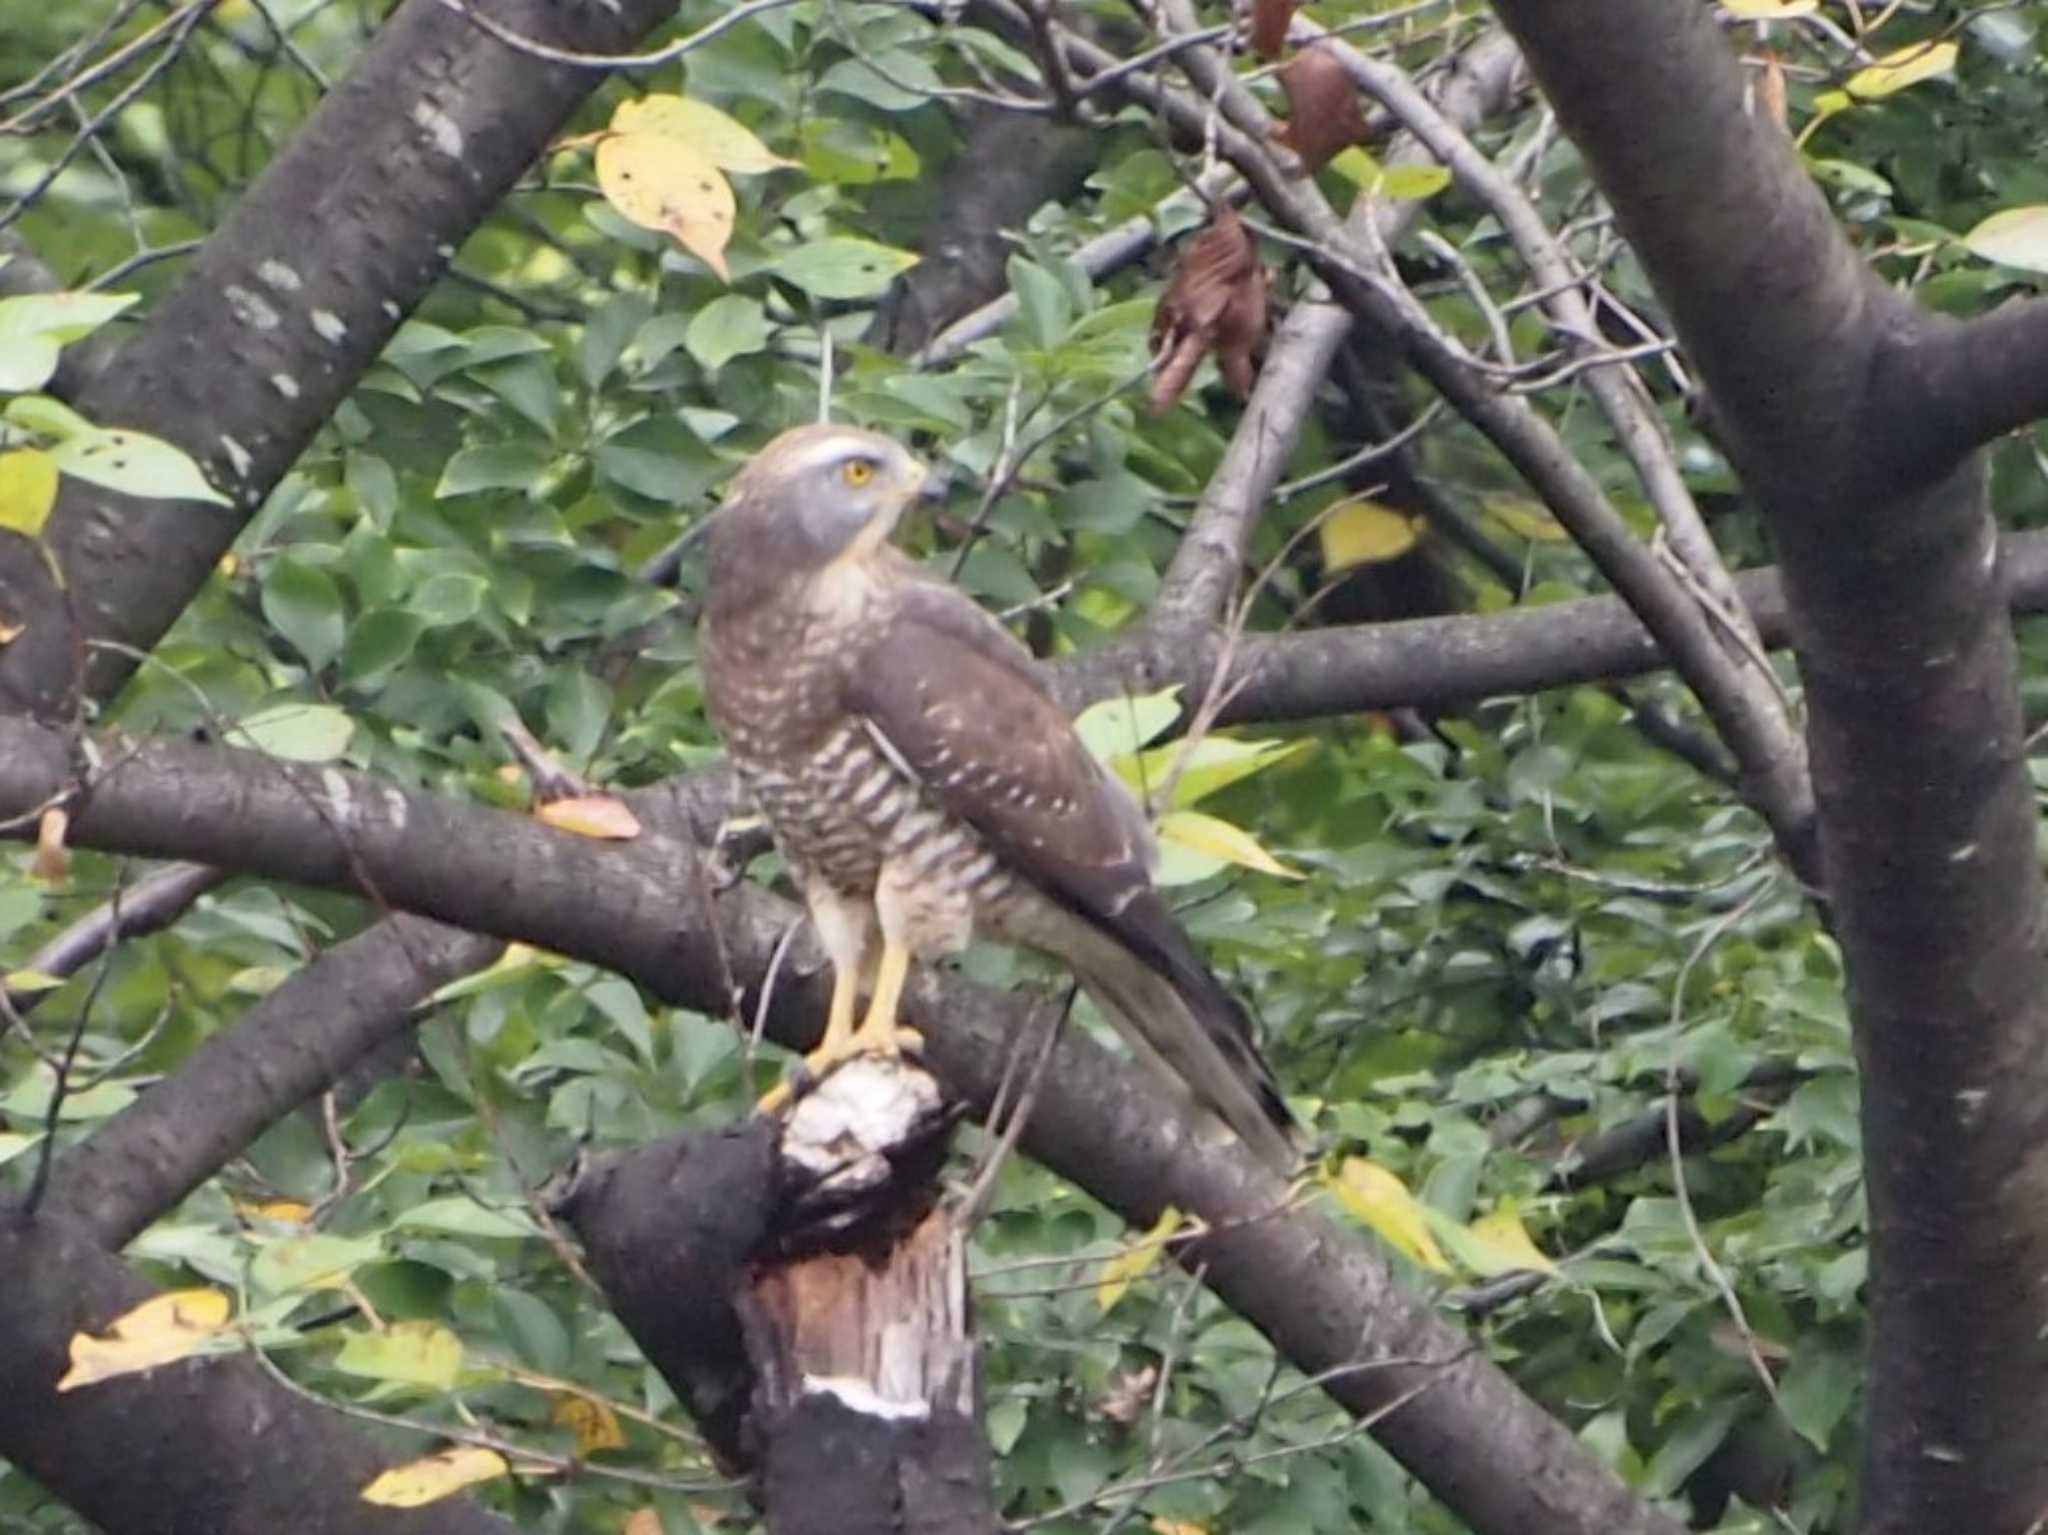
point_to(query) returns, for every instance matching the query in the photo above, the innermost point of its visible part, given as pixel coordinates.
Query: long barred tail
(1193, 1031)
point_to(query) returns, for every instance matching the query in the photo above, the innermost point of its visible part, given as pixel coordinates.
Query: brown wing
(961, 706)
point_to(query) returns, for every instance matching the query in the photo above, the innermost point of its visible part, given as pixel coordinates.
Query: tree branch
(1198, 584)
(205, 1447)
(1324, 1297)
(325, 1017)
(1359, 270)
(1979, 379)
(267, 331)
(153, 904)
(1927, 816)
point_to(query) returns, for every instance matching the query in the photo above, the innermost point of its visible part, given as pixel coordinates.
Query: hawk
(922, 783)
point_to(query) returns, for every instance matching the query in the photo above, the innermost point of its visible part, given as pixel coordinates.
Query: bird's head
(819, 493)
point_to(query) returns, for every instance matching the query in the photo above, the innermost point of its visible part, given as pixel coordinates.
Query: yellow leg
(878, 1033)
(838, 1020)
(837, 1044)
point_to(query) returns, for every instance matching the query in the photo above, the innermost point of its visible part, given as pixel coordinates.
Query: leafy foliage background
(1516, 928)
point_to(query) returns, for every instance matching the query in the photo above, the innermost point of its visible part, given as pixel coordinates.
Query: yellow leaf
(1364, 532)
(1215, 838)
(1901, 68)
(434, 1477)
(1769, 10)
(287, 1212)
(28, 489)
(1504, 1243)
(593, 1422)
(1136, 1260)
(162, 1329)
(663, 183)
(1380, 1199)
(1161, 1525)
(644, 1521)
(590, 815)
(52, 861)
(725, 142)
(412, 1353)
(1525, 518)
(32, 980)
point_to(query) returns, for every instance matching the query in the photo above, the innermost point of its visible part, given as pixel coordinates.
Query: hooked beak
(937, 482)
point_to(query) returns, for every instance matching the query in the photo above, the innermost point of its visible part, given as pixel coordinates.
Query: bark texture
(205, 1447)
(1897, 598)
(825, 1346)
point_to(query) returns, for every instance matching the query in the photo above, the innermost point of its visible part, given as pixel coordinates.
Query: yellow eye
(857, 471)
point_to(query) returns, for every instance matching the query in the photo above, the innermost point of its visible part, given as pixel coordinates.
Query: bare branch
(326, 1017)
(155, 903)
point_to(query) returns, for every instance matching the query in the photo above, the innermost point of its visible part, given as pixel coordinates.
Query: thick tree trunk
(808, 1303)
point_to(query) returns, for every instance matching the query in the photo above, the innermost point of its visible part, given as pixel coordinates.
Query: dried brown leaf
(1323, 116)
(1216, 301)
(1269, 25)
(52, 861)
(1770, 89)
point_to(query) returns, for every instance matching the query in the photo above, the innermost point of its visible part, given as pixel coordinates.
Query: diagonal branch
(1898, 595)
(1198, 584)
(1324, 1297)
(324, 1019)
(1979, 379)
(1359, 270)
(205, 1447)
(268, 330)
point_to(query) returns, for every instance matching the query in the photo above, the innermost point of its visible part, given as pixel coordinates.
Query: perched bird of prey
(922, 783)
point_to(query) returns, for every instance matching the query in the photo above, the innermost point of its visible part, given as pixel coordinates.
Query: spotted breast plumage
(922, 783)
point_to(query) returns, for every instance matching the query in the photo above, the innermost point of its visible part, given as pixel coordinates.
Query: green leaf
(841, 267)
(1213, 763)
(730, 326)
(1117, 726)
(135, 464)
(493, 466)
(578, 707)
(1696, 1435)
(62, 317)
(452, 597)
(466, 1218)
(897, 80)
(380, 640)
(2014, 237)
(1042, 302)
(375, 486)
(530, 1325)
(409, 1353)
(303, 604)
(295, 732)
(44, 416)
(27, 363)
(1816, 1394)
(315, 1261)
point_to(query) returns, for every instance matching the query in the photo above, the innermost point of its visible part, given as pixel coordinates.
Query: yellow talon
(878, 1033)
